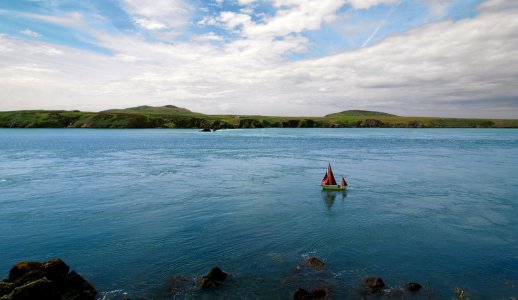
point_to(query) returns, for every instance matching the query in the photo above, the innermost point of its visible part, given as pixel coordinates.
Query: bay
(129, 208)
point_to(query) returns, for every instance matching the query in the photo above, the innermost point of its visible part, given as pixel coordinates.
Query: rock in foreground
(49, 280)
(316, 293)
(313, 262)
(412, 287)
(373, 284)
(213, 279)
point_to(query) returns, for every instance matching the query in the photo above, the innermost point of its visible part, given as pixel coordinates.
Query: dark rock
(215, 277)
(313, 262)
(55, 268)
(39, 289)
(5, 288)
(301, 294)
(373, 284)
(318, 293)
(30, 276)
(50, 280)
(76, 287)
(412, 287)
(22, 268)
(205, 130)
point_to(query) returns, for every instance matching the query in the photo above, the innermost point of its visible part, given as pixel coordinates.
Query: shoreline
(148, 120)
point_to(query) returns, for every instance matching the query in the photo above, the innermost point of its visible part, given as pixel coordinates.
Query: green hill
(170, 116)
(360, 113)
(162, 110)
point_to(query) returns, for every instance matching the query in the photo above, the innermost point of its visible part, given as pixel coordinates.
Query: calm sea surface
(129, 208)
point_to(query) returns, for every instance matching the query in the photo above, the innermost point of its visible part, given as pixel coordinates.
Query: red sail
(343, 182)
(324, 181)
(331, 178)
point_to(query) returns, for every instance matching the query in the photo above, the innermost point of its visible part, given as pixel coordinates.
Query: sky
(449, 58)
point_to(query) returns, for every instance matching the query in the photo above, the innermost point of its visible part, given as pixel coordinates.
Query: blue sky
(238, 56)
(111, 16)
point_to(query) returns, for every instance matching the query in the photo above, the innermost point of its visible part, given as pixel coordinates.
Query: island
(171, 116)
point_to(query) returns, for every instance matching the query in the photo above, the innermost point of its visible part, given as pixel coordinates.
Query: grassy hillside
(161, 110)
(176, 117)
(361, 113)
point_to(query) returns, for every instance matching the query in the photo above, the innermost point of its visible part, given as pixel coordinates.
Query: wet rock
(6, 288)
(22, 268)
(316, 293)
(301, 294)
(38, 289)
(215, 277)
(76, 287)
(49, 280)
(205, 130)
(373, 284)
(313, 262)
(412, 287)
(56, 268)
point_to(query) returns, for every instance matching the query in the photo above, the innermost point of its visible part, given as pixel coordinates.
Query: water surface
(129, 208)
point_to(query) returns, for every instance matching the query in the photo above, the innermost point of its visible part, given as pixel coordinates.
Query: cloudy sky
(456, 58)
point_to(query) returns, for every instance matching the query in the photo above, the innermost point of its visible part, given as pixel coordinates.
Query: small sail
(324, 181)
(344, 183)
(331, 178)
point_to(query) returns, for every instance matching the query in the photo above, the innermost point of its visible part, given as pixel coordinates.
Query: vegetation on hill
(163, 110)
(362, 113)
(175, 117)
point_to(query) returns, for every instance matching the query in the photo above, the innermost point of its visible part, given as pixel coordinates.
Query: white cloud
(463, 68)
(209, 37)
(296, 16)
(73, 19)
(245, 2)
(150, 24)
(169, 15)
(365, 4)
(30, 33)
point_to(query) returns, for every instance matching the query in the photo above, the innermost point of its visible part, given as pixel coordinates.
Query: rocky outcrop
(214, 278)
(313, 263)
(49, 280)
(316, 293)
(373, 285)
(412, 287)
(301, 294)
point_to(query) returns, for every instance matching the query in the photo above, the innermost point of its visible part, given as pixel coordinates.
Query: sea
(144, 213)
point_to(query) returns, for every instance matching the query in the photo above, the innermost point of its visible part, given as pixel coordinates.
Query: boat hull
(333, 188)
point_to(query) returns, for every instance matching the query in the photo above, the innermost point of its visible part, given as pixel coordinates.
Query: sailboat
(329, 181)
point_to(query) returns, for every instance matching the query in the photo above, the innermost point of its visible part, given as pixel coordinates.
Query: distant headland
(171, 116)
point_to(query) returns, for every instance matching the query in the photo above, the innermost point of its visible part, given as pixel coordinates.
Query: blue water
(129, 208)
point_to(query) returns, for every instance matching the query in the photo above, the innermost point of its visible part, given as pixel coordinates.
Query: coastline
(144, 119)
